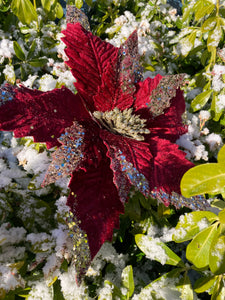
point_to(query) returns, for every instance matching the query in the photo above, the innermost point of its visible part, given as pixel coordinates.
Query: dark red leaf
(43, 115)
(130, 162)
(97, 204)
(89, 58)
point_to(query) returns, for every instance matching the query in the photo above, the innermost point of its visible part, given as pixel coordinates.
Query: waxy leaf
(217, 255)
(208, 178)
(24, 10)
(221, 156)
(190, 224)
(46, 4)
(128, 280)
(219, 289)
(203, 8)
(157, 250)
(199, 248)
(221, 216)
(58, 11)
(18, 50)
(203, 284)
(188, 42)
(185, 288)
(79, 3)
(215, 36)
(150, 291)
(208, 25)
(200, 100)
(32, 49)
(38, 62)
(111, 293)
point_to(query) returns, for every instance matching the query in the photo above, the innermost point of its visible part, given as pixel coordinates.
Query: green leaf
(221, 216)
(89, 2)
(57, 291)
(220, 204)
(190, 224)
(188, 12)
(111, 293)
(24, 10)
(38, 62)
(205, 8)
(47, 4)
(209, 24)
(128, 280)
(79, 3)
(32, 49)
(188, 42)
(18, 50)
(22, 72)
(205, 55)
(58, 11)
(162, 282)
(214, 37)
(219, 290)
(203, 179)
(157, 250)
(217, 110)
(200, 100)
(198, 250)
(217, 255)
(221, 156)
(185, 288)
(204, 283)
(133, 209)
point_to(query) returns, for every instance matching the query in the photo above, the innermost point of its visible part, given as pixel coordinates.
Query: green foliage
(203, 23)
(167, 256)
(4, 5)
(24, 10)
(206, 178)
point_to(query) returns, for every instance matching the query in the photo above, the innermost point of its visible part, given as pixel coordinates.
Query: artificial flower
(117, 131)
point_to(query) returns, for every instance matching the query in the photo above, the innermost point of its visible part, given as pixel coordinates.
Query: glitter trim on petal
(68, 157)
(177, 200)
(164, 92)
(130, 162)
(74, 15)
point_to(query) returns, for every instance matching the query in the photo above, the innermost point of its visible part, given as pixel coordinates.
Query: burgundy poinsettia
(116, 132)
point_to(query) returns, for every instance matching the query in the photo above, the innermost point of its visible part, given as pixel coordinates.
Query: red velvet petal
(43, 115)
(167, 166)
(90, 58)
(135, 165)
(168, 125)
(144, 90)
(97, 204)
(106, 76)
(119, 80)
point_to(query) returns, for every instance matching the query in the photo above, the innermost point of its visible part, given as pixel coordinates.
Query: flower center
(123, 122)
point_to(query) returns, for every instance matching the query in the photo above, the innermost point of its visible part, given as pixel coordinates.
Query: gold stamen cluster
(123, 122)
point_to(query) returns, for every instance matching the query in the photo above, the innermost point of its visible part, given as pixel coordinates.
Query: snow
(214, 141)
(12, 235)
(221, 103)
(40, 291)
(69, 287)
